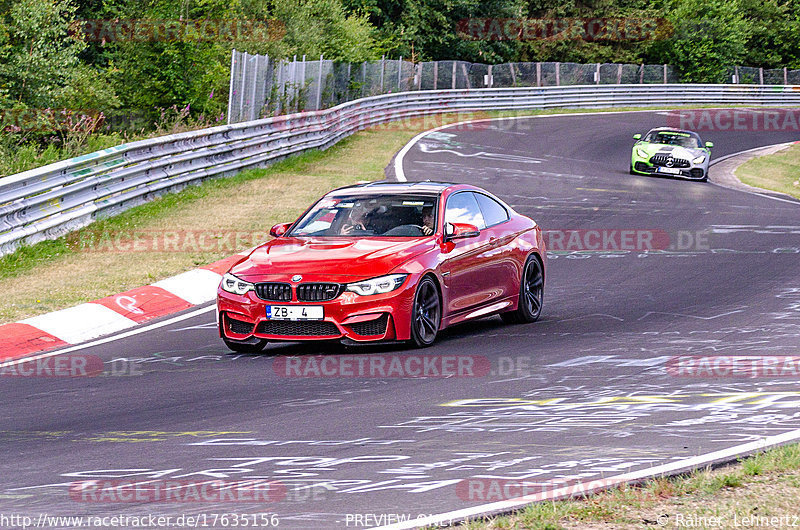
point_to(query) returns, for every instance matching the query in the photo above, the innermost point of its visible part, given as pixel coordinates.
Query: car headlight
(641, 152)
(380, 285)
(699, 160)
(234, 285)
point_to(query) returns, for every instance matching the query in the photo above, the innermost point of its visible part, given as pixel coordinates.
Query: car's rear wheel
(531, 294)
(426, 313)
(251, 346)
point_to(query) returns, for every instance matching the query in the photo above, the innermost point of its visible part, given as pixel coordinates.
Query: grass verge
(777, 172)
(760, 491)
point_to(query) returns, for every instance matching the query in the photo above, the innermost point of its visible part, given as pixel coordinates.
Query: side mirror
(460, 231)
(279, 229)
(637, 136)
(709, 144)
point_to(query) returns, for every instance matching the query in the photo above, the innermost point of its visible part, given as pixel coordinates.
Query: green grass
(777, 172)
(766, 484)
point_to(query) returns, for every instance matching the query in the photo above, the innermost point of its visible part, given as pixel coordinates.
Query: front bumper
(693, 171)
(349, 316)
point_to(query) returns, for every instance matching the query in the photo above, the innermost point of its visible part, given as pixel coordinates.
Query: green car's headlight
(699, 160)
(234, 285)
(641, 153)
(383, 284)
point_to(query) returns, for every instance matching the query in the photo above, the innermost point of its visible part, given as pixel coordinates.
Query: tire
(426, 313)
(531, 294)
(253, 346)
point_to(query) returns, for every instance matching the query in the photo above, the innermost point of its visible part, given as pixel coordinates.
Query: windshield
(363, 216)
(673, 138)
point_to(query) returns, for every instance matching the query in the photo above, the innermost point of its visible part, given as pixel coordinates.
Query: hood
(675, 150)
(320, 259)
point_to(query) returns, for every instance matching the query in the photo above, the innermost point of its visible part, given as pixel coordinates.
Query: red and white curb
(112, 314)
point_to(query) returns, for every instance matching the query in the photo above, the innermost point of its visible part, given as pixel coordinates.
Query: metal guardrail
(48, 202)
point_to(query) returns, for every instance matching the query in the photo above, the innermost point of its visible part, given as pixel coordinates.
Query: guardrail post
(319, 83)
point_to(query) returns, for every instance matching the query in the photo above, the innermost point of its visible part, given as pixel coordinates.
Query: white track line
(599, 484)
(717, 161)
(400, 175)
(112, 338)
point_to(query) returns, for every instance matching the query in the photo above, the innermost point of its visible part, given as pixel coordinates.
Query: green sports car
(675, 152)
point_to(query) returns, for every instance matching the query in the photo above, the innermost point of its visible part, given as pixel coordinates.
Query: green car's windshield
(673, 138)
(364, 216)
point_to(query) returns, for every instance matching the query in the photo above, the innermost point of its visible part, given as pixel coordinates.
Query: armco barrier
(47, 202)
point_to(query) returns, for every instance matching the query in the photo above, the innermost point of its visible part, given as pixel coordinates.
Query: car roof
(672, 129)
(391, 187)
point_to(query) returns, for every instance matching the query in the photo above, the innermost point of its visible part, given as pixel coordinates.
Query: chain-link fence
(261, 87)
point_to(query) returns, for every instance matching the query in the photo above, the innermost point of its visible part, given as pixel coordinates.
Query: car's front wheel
(531, 294)
(426, 313)
(251, 346)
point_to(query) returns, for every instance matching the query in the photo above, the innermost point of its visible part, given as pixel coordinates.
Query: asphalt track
(587, 393)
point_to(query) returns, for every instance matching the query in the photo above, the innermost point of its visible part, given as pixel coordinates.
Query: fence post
(558, 74)
(641, 74)
(383, 67)
(489, 77)
(538, 74)
(760, 76)
(454, 75)
(435, 75)
(363, 77)
(244, 78)
(736, 74)
(785, 76)
(319, 83)
(466, 76)
(665, 74)
(399, 73)
(230, 89)
(513, 75)
(597, 74)
(419, 76)
(619, 74)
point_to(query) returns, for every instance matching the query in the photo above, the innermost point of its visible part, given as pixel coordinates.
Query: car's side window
(493, 212)
(463, 208)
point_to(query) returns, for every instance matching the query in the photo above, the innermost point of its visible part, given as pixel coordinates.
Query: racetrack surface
(589, 391)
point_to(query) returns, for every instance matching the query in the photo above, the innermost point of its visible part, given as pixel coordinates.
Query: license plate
(295, 312)
(670, 170)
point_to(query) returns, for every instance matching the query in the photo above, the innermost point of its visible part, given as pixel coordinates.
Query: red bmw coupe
(385, 261)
